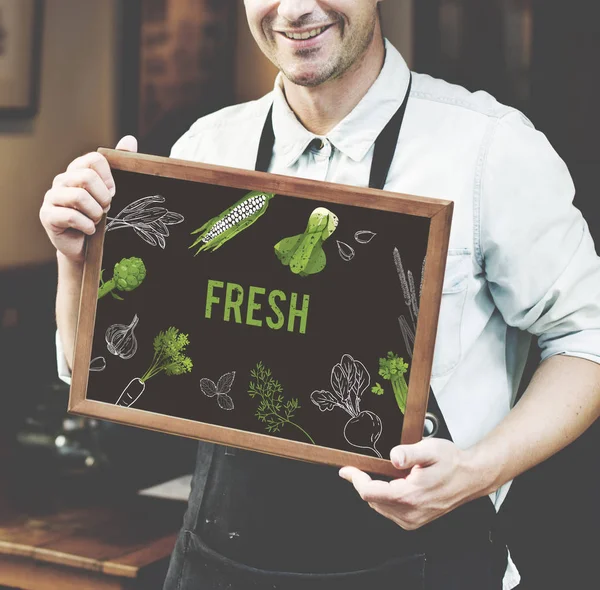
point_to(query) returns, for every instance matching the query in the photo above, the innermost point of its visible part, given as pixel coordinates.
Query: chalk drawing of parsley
(273, 410)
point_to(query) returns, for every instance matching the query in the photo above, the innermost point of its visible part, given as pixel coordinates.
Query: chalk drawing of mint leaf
(225, 382)
(220, 389)
(225, 402)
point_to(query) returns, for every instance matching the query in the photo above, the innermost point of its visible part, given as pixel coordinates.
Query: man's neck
(321, 108)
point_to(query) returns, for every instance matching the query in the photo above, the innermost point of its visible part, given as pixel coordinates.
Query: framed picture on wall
(20, 54)
(282, 315)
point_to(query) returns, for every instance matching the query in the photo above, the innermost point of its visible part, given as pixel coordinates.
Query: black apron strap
(385, 146)
(266, 144)
(383, 156)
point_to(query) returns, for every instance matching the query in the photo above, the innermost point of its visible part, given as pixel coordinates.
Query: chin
(308, 81)
(312, 77)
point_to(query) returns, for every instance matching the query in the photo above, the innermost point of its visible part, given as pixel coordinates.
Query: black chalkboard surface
(261, 311)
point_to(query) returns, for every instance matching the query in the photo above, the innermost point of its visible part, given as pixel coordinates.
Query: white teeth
(307, 35)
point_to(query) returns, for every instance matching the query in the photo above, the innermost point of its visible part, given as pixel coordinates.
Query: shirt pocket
(447, 351)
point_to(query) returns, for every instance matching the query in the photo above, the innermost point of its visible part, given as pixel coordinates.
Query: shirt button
(318, 144)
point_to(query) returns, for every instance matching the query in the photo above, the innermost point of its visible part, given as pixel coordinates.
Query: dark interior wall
(556, 510)
(565, 89)
(551, 514)
(178, 64)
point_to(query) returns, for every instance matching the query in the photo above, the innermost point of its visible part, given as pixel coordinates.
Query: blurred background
(76, 75)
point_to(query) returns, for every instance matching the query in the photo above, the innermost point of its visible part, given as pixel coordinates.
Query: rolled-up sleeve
(64, 373)
(535, 246)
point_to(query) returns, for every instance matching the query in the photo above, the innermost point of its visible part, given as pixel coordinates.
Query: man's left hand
(436, 478)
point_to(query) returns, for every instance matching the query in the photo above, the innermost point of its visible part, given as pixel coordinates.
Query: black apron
(280, 515)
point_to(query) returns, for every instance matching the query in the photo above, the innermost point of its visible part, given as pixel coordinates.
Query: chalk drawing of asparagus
(407, 283)
(149, 223)
(304, 253)
(220, 389)
(219, 230)
(169, 357)
(349, 380)
(273, 410)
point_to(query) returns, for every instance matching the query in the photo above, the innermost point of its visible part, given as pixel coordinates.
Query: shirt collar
(356, 133)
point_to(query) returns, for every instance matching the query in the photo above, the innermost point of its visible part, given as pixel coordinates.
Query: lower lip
(306, 43)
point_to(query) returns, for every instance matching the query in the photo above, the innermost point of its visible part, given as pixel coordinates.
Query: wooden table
(106, 545)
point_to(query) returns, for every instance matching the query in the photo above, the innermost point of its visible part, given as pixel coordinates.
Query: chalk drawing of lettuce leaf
(325, 400)
(339, 382)
(225, 382)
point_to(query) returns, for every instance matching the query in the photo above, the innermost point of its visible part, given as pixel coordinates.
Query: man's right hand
(77, 200)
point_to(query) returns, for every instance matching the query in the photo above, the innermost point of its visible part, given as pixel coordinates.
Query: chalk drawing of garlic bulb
(120, 339)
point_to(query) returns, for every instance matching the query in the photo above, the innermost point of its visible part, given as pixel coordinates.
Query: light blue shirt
(521, 260)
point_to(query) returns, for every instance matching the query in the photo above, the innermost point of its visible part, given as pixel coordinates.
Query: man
(521, 262)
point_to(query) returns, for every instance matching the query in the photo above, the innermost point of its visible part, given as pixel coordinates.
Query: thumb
(128, 144)
(407, 456)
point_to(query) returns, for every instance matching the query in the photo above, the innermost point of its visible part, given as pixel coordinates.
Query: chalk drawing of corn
(220, 229)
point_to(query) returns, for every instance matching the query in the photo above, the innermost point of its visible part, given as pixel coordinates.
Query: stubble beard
(350, 57)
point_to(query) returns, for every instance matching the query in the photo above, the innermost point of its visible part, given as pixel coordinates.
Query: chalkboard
(287, 316)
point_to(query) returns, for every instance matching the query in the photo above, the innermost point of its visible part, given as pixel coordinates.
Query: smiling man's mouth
(306, 34)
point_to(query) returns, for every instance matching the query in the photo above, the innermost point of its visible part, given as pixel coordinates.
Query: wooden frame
(20, 57)
(439, 214)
